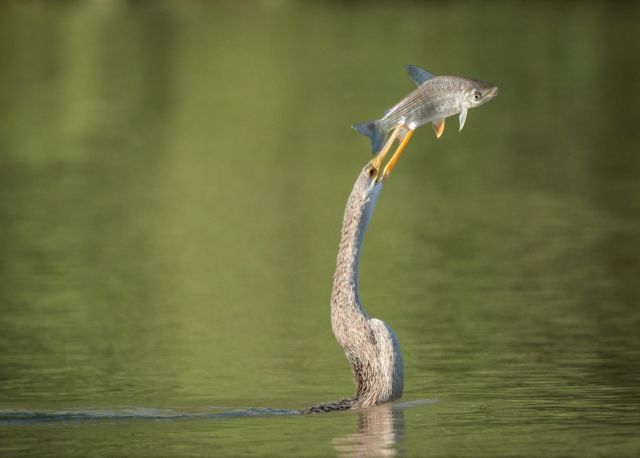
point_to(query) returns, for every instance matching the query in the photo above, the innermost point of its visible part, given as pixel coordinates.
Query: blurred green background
(172, 181)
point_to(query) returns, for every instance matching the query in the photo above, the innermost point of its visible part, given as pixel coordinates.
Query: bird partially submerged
(436, 98)
(370, 344)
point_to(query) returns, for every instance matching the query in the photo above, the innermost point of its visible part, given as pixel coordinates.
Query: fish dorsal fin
(417, 74)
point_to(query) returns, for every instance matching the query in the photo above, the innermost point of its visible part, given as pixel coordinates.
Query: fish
(435, 99)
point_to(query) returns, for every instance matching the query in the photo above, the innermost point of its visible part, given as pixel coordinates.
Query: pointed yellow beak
(376, 162)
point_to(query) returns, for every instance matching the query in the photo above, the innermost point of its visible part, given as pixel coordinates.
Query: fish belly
(419, 109)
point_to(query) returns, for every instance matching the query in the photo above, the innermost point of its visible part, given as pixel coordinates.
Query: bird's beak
(376, 162)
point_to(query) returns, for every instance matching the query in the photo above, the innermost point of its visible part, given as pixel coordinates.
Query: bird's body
(436, 98)
(370, 345)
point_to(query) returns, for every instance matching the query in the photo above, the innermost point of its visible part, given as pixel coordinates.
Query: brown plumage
(370, 345)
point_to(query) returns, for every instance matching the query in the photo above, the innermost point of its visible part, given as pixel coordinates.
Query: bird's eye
(477, 95)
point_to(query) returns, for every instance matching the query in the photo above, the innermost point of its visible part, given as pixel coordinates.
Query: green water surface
(172, 181)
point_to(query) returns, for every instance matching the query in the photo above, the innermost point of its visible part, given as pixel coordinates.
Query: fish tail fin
(372, 130)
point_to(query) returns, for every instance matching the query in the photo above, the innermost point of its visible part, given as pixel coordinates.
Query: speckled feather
(369, 344)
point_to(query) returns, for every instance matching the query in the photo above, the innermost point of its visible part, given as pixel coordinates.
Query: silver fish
(436, 98)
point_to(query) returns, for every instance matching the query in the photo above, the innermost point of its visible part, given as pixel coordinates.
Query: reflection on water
(172, 182)
(380, 433)
(380, 429)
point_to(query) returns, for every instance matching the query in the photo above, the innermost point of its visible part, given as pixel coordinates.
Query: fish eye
(477, 95)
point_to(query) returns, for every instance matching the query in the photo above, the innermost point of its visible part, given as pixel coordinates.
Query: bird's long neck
(369, 344)
(345, 300)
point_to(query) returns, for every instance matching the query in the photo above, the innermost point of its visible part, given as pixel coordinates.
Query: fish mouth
(492, 92)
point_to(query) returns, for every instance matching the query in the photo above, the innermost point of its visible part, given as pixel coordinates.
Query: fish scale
(436, 98)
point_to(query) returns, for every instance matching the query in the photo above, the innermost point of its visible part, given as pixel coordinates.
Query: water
(172, 181)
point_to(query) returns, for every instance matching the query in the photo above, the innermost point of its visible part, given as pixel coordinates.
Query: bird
(370, 345)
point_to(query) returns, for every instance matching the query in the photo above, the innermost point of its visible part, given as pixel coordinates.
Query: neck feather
(369, 344)
(345, 300)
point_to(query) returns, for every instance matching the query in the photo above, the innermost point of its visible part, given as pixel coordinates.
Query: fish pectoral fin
(417, 74)
(438, 127)
(462, 118)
